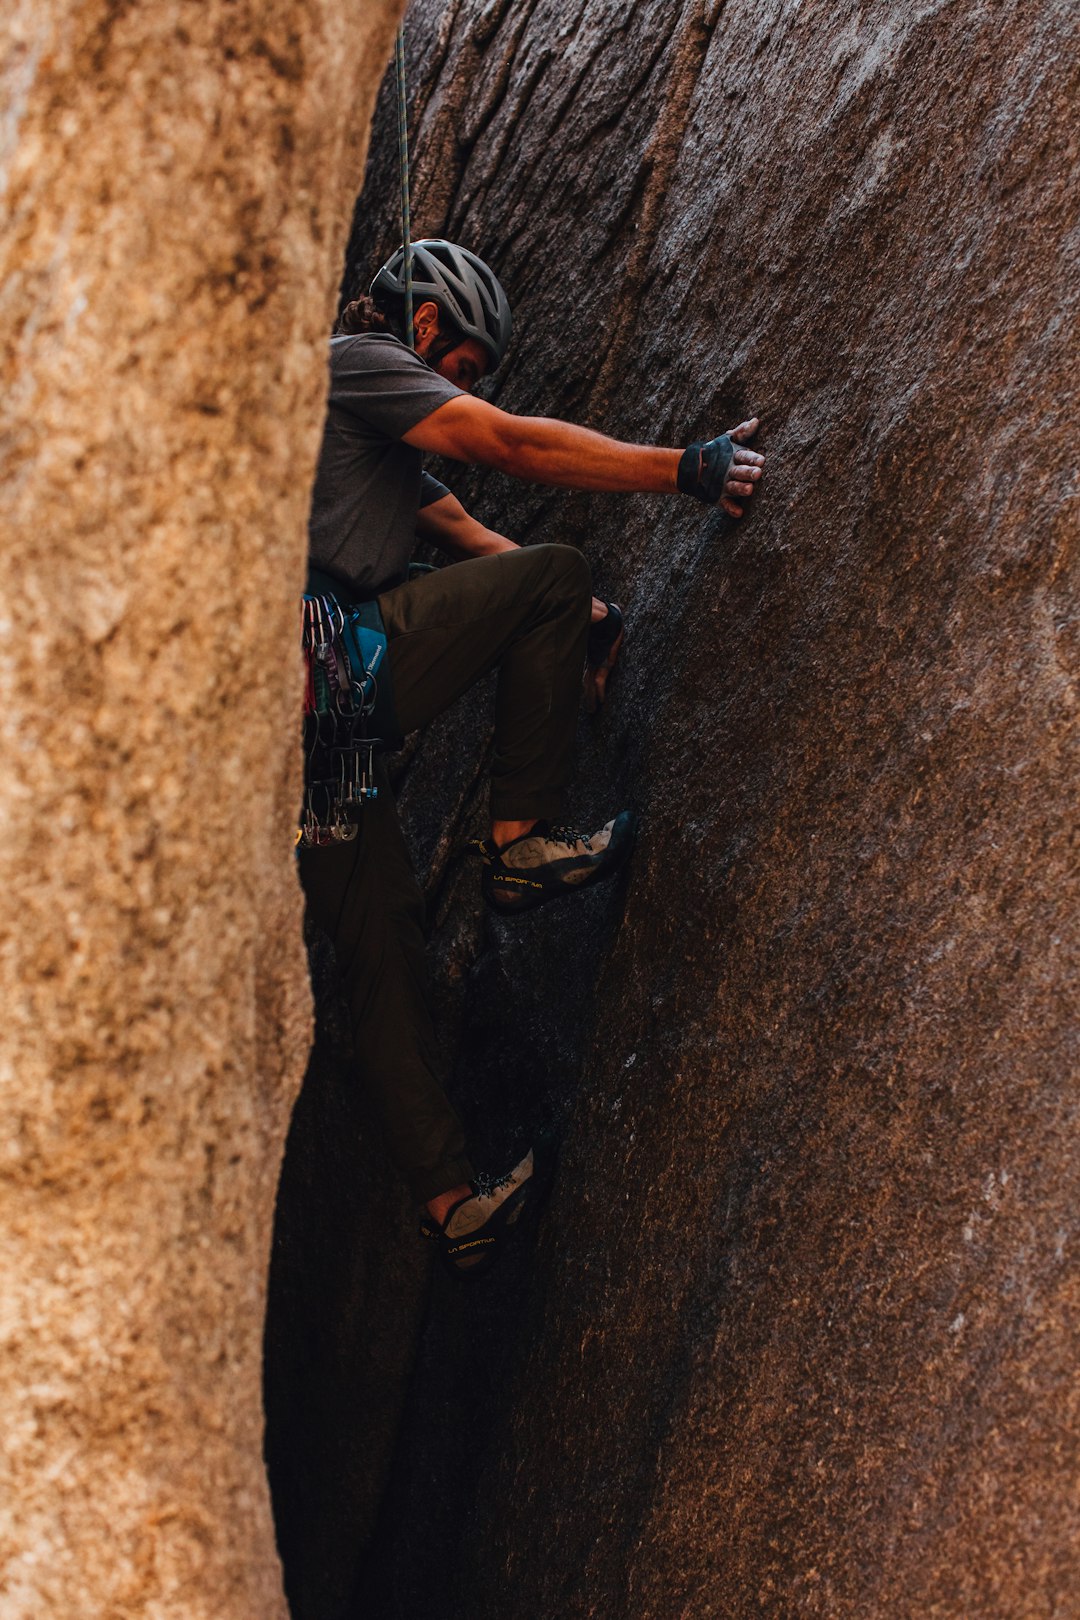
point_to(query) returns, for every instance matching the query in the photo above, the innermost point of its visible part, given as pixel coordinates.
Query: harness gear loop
(348, 711)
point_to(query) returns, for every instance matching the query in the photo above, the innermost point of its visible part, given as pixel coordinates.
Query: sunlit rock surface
(177, 182)
(798, 1334)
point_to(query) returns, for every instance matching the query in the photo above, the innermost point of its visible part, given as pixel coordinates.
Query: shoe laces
(562, 832)
(487, 1185)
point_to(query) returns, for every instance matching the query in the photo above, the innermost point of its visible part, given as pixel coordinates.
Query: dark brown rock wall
(800, 1332)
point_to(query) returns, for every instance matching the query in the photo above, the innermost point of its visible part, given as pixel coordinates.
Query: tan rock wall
(177, 179)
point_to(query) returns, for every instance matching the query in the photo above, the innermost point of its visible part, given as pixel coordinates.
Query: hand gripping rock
(704, 467)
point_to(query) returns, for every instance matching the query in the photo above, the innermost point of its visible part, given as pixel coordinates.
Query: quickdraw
(342, 659)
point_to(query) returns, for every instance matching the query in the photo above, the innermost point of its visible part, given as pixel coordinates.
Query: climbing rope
(403, 155)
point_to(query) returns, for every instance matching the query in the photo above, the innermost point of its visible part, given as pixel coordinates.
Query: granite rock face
(177, 182)
(798, 1335)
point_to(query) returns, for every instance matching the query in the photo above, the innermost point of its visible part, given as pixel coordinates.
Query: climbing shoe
(552, 860)
(475, 1231)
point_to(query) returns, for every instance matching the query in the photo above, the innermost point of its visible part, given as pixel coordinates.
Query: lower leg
(537, 702)
(504, 831)
(365, 896)
(525, 612)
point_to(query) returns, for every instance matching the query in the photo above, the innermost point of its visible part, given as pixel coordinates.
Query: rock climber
(523, 611)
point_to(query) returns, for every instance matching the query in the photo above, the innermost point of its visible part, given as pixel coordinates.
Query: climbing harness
(347, 715)
(403, 162)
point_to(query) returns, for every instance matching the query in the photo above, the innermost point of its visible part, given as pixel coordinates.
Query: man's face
(465, 365)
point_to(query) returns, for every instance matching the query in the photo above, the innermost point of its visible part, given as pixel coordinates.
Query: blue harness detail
(348, 711)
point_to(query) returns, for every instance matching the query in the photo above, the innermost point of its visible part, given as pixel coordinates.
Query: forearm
(544, 451)
(476, 541)
(446, 524)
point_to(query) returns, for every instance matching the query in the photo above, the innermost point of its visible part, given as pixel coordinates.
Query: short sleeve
(379, 379)
(431, 490)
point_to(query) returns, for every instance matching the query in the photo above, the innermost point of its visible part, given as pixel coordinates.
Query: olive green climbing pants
(525, 613)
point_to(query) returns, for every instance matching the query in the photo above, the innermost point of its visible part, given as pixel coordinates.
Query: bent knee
(569, 566)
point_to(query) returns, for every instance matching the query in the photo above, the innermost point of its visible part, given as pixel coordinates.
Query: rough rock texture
(799, 1335)
(177, 181)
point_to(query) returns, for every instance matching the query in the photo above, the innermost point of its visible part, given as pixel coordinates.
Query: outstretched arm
(541, 450)
(544, 451)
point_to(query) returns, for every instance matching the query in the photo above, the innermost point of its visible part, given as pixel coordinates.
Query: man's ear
(426, 319)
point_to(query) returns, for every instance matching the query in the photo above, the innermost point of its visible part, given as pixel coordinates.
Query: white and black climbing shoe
(474, 1233)
(552, 860)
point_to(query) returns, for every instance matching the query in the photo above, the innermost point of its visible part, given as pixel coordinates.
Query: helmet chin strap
(440, 349)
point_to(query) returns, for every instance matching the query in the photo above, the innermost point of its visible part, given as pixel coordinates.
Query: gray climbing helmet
(459, 283)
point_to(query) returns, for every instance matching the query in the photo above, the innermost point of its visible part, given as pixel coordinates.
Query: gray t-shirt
(369, 486)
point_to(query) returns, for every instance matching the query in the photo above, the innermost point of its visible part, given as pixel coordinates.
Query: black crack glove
(704, 468)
